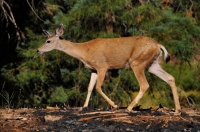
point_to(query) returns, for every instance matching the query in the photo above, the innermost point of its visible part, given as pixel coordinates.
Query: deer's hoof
(115, 107)
(177, 113)
(129, 109)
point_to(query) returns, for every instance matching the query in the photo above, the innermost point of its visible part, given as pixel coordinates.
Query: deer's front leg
(93, 80)
(100, 79)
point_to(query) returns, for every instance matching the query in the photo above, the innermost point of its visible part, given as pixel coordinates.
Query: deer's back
(117, 52)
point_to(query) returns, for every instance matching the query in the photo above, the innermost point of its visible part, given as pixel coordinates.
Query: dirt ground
(54, 119)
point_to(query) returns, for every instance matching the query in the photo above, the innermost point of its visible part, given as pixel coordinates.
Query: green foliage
(179, 39)
(186, 76)
(57, 77)
(58, 95)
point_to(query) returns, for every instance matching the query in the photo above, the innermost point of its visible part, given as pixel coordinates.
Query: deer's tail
(166, 55)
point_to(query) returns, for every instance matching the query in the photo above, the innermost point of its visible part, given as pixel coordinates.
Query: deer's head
(53, 40)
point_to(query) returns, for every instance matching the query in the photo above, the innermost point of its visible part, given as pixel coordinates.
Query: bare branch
(10, 14)
(4, 13)
(191, 4)
(34, 11)
(7, 12)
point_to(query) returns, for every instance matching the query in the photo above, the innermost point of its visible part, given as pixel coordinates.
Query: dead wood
(12, 118)
(98, 112)
(102, 115)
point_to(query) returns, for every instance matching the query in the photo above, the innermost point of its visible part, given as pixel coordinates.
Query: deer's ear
(47, 33)
(60, 30)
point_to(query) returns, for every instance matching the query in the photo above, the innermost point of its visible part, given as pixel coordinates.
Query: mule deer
(101, 54)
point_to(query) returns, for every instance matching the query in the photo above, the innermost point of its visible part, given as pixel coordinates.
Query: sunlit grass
(166, 100)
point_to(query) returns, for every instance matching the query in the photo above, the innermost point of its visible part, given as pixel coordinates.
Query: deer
(140, 53)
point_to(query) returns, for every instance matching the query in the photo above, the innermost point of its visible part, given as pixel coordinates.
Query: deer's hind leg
(158, 71)
(140, 76)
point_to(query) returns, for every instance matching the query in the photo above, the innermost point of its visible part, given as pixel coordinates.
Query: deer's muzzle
(39, 52)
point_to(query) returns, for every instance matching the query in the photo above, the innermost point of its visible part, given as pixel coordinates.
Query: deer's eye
(48, 41)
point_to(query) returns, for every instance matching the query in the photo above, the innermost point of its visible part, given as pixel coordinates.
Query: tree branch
(34, 11)
(10, 17)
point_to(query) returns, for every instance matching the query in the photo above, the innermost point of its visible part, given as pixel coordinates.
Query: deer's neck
(71, 49)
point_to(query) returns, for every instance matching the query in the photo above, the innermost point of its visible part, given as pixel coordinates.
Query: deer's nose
(38, 51)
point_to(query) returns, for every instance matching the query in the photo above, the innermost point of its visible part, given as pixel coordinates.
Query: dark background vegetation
(31, 80)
